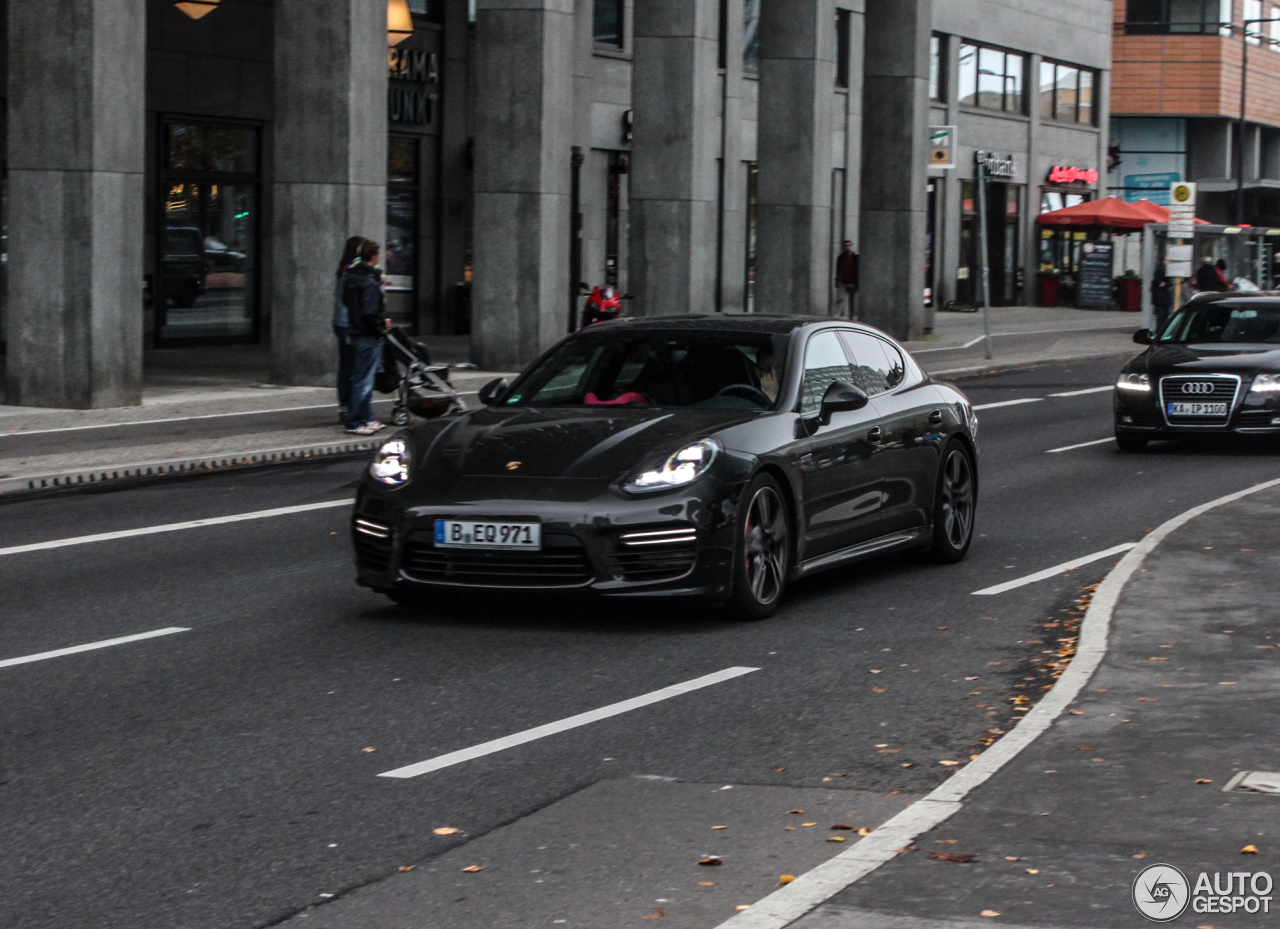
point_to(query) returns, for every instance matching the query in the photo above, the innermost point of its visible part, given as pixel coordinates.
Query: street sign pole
(980, 169)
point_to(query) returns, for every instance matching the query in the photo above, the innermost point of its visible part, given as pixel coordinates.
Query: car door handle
(935, 418)
(874, 435)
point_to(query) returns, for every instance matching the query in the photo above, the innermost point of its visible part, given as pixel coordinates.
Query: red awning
(1107, 213)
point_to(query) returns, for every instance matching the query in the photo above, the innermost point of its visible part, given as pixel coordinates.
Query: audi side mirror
(492, 392)
(841, 397)
(1143, 337)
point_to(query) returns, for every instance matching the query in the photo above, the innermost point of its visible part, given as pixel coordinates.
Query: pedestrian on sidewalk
(342, 326)
(1161, 294)
(847, 280)
(1209, 278)
(362, 294)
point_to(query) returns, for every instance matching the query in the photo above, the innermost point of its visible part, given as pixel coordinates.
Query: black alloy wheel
(954, 505)
(1130, 443)
(763, 555)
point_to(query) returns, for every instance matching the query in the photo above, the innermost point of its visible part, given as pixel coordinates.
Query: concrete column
(797, 87)
(330, 157)
(76, 165)
(673, 167)
(895, 121)
(455, 178)
(523, 148)
(733, 193)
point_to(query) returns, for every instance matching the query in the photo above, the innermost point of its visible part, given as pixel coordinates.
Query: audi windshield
(1235, 322)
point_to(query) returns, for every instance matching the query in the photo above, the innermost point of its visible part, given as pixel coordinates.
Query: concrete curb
(34, 483)
(996, 366)
(807, 892)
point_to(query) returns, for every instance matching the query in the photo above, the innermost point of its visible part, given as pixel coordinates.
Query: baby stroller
(421, 388)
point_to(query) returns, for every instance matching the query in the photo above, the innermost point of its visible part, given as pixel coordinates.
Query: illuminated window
(991, 78)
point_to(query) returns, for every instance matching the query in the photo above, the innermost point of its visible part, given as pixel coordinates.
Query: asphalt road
(219, 777)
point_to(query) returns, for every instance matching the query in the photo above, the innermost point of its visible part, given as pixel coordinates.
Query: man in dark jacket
(847, 277)
(1208, 277)
(362, 294)
(1161, 294)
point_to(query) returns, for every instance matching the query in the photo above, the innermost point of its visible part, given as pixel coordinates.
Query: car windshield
(676, 368)
(1226, 321)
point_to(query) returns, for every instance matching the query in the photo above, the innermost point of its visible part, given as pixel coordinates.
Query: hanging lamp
(197, 8)
(399, 22)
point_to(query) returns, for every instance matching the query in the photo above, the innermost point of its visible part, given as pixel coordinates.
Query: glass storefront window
(607, 22)
(751, 35)
(208, 241)
(400, 250)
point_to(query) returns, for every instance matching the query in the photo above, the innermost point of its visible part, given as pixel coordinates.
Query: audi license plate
(470, 533)
(1197, 409)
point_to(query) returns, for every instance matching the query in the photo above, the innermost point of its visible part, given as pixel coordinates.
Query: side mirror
(841, 396)
(492, 392)
(1143, 337)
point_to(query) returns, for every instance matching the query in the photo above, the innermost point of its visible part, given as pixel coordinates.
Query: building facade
(177, 180)
(1183, 72)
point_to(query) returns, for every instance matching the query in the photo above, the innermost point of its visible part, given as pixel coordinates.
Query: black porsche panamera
(707, 457)
(1213, 368)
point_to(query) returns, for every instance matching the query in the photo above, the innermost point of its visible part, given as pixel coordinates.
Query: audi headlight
(1134, 382)
(1266, 384)
(391, 464)
(684, 467)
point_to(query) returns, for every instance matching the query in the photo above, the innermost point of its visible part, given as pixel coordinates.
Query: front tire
(954, 505)
(762, 553)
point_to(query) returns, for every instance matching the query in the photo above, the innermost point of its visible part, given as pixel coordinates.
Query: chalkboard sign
(1095, 275)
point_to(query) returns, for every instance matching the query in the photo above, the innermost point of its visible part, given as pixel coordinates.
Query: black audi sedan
(1214, 368)
(715, 458)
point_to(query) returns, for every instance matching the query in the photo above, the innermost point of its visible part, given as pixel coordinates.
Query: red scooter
(603, 304)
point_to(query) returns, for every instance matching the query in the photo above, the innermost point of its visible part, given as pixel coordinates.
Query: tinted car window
(666, 368)
(824, 363)
(1228, 321)
(877, 365)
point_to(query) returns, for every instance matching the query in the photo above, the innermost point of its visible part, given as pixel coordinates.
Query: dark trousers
(346, 363)
(366, 351)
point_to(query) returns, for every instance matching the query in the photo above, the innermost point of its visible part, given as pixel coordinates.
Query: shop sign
(404, 64)
(942, 146)
(1062, 174)
(995, 165)
(412, 105)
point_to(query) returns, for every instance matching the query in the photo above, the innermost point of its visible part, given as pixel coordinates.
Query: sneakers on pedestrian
(367, 429)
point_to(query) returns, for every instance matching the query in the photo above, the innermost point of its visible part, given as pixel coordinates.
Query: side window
(824, 363)
(877, 364)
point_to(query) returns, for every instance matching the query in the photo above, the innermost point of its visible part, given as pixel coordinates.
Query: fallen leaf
(835, 838)
(1203, 780)
(706, 883)
(864, 831)
(1097, 759)
(1249, 850)
(949, 763)
(658, 913)
(970, 678)
(878, 690)
(877, 670)
(942, 628)
(807, 825)
(786, 878)
(446, 830)
(719, 827)
(1157, 659)
(779, 769)
(1147, 699)
(989, 913)
(946, 841)
(1075, 712)
(957, 857)
(1142, 855)
(974, 757)
(475, 868)
(890, 751)
(909, 848)
(1033, 870)
(839, 773)
(795, 811)
(994, 662)
(908, 764)
(1011, 858)
(996, 731)
(743, 906)
(841, 826)
(709, 862)
(406, 867)
(1228, 682)
(368, 749)
(1086, 748)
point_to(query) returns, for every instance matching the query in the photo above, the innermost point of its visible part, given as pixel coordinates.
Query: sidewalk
(1187, 698)
(213, 407)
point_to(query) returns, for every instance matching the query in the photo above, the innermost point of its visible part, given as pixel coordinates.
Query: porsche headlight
(1266, 384)
(1134, 382)
(391, 464)
(684, 467)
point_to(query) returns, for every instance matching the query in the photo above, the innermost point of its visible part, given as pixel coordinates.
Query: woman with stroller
(367, 325)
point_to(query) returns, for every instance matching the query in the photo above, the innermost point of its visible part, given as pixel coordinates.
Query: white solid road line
(1067, 448)
(105, 643)
(572, 722)
(1055, 570)
(1081, 393)
(992, 406)
(172, 527)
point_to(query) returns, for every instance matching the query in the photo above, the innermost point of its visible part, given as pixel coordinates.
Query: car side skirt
(907, 539)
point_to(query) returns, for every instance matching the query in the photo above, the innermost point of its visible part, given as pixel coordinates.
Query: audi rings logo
(1161, 892)
(1197, 387)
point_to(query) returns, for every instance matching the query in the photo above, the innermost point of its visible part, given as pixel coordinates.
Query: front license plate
(1197, 409)
(469, 533)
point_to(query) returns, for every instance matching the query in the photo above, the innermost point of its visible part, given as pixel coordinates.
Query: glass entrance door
(208, 238)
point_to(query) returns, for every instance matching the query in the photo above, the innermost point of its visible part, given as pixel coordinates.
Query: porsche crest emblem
(512, 465)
